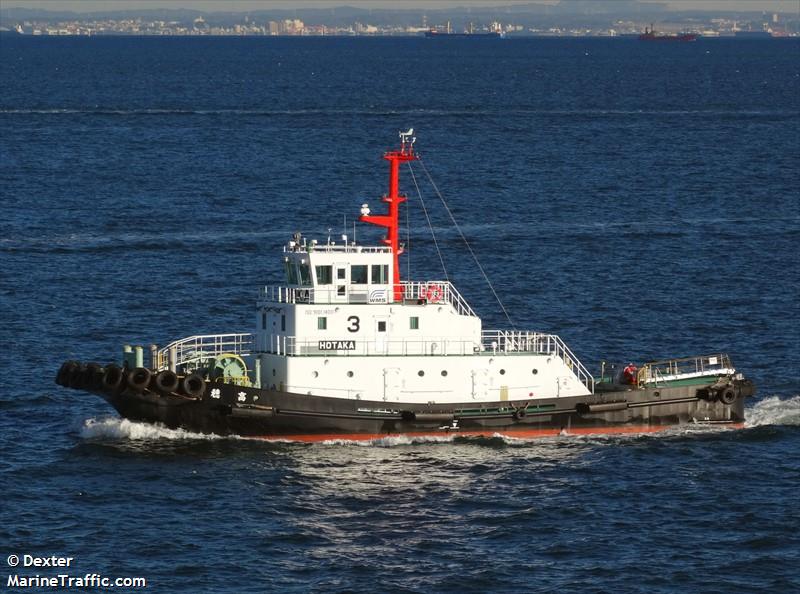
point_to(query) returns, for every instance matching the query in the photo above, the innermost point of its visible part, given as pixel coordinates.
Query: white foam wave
(115, 428)
(391, 441)
(773, 411)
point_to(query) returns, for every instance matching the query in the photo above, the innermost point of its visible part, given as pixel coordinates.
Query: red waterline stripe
(520, 433)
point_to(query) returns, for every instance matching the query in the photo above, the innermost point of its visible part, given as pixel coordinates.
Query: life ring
(434, 293)
(727, 396)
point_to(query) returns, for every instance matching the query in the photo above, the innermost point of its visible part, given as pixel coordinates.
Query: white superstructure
(345, 325)
(337, 329)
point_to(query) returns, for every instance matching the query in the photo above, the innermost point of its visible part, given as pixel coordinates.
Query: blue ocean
(638, 199)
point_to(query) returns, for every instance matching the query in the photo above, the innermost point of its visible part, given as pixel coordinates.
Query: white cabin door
(480, 383)
(391, 383)
(381, 335)
(340, 283)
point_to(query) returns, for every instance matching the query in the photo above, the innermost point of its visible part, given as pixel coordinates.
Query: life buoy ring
(434, 293)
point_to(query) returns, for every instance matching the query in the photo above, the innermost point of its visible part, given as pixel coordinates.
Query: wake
(773, 411)
(117, 429)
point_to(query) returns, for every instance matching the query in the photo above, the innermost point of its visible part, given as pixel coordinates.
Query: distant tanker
(651, 35)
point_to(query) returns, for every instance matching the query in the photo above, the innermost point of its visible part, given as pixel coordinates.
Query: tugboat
(344, 348)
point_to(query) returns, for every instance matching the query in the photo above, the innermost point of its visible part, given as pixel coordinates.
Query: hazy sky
(245, 5)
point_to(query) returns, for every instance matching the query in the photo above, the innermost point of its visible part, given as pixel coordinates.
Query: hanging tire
(113, 378)
(727, 396)
(193, 385)
(92, 375)
(76, 377)
(165, 382)
(63, 375)
(139, 379)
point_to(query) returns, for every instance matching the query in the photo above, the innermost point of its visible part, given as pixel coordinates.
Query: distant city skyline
(787, 6)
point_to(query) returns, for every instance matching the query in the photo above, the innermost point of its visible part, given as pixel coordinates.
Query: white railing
(505, 342)
(685, 368)
(194, 349)
(428, 292)
(299, 347)
(494, 342)
(347, 248)
(436, 292)
(326, 294)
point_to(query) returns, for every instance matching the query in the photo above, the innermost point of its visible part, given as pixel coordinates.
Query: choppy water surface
(639, 201)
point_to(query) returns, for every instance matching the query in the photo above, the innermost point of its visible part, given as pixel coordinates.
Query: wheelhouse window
(358, 274)
(291, 273)
(322, 323)
(380, 274)
(324, 275)
(413, 323)
(305, 275)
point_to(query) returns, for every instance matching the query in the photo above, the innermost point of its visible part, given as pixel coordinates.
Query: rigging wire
(464, 239)
(430, 226)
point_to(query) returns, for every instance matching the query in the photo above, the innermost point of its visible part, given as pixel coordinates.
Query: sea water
(639, 200)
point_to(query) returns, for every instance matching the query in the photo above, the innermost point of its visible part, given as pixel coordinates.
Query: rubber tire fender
(113, 378)
(165, 382)
(193, 385)
(64, 373)
(76, 376)
(92, 375)
(139, 379)
(727, 396)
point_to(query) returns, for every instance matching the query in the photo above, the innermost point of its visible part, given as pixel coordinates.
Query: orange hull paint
(518, 433)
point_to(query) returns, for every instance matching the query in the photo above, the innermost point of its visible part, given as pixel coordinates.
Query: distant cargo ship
(435, 33)
(447, 32)
(651, 35)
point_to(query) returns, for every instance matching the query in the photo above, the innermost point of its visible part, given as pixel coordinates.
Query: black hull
(227, 409)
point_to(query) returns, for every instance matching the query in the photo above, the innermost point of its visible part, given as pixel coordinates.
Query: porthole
(420, 373)
(444, 373)
(349, 374)
(502, 372)
(535, 371)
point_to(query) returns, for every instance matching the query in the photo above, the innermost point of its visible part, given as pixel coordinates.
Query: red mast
(391, 220)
